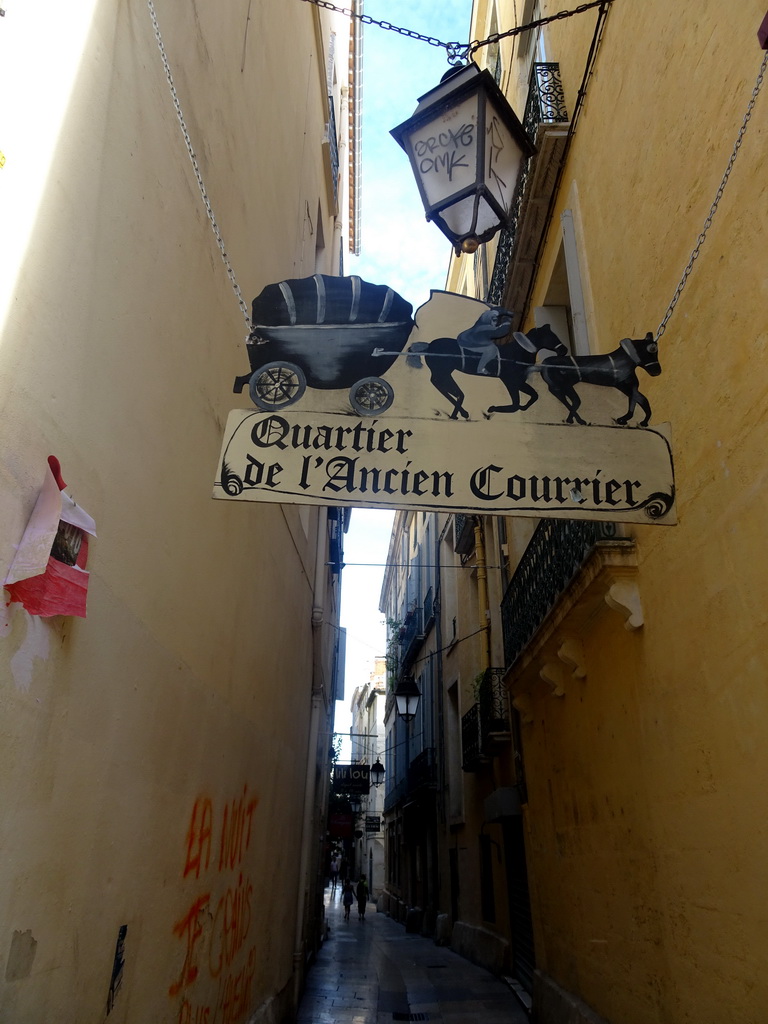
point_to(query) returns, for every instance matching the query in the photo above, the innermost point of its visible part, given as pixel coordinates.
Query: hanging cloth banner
(355, 404)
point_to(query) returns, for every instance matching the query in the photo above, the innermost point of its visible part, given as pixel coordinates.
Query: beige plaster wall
(646, 803)
(153, 756)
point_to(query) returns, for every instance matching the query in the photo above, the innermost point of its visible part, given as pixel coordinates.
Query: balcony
(422, 773)
(429, 611)
(463, 534)
(395, 795)
(485, 727)
(546, 122)
(411, 638)
(555, 561)
(331, 151)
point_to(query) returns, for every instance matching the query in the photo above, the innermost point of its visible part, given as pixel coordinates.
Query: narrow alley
(374, 972)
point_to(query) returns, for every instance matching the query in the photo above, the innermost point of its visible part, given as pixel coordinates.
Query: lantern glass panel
(503, 158)
(459, 217)
(444, 151)
(407, 705)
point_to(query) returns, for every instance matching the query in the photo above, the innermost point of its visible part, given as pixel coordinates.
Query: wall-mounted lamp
(407, 697)
(466, 148)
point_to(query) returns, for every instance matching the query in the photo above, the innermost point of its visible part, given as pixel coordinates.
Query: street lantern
(407, 697)
(466, 148)
(356, 804)
(377, 772)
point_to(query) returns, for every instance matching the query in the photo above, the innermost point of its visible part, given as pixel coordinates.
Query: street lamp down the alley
(407, 696)
(466, 148)
(377, 772)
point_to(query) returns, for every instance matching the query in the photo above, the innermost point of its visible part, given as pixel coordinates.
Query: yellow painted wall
(646, 799)
(644, 826)
(131, 740)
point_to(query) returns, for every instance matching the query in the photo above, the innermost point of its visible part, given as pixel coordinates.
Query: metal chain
(457, 53)
(196, 168)
(366, 19)
(560, 16)
(718, 197)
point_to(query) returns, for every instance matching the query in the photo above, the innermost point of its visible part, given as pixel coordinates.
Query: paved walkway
(372, 972)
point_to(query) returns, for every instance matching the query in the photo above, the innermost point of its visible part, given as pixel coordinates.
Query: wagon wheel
(371, 396)
(277, 385)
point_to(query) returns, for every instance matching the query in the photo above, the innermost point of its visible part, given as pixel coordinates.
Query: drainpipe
(483, 608)
(308, 845)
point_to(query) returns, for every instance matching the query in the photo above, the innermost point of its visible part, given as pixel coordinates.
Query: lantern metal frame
(470, 81)
(406, 692)
(377, 772)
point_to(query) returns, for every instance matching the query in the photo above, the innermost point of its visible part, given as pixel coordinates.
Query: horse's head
(541, 339)
(643, 352)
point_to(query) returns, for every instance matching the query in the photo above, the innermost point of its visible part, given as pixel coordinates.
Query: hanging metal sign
(355, 403)
(352, 778)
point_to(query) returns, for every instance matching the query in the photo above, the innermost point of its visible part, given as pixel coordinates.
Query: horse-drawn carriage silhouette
(321, 332)
(342, 332)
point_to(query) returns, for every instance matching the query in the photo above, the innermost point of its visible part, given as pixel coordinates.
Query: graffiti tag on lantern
(215, 928)
(444, 152)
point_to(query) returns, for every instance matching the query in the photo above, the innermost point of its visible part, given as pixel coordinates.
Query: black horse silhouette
(474, 352)
(617, 369)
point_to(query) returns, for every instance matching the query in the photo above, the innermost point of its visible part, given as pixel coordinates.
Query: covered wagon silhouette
(321, 332)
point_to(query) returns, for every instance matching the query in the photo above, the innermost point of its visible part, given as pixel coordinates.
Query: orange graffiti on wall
(216, 938)
(199, 837)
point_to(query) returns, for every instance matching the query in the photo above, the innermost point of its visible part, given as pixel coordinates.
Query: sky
(398, 248)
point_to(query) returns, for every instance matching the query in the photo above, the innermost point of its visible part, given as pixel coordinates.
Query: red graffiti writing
(190, 926)
(233, 1000)
(199, 837)
(236, 830)
(189, 1014)
(217, 938)
(235, 993)
(231, 924)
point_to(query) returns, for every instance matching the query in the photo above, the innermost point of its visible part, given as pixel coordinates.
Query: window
(564, 307)
(494, 51)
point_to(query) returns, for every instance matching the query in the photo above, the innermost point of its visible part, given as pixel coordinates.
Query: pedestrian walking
(362, 897)
(334, 871)
(347, 899)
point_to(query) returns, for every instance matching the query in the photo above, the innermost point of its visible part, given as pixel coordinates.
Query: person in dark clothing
(362, 897)
(348, 898)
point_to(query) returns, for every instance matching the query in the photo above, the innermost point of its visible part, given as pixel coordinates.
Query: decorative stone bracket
(624, 597)
(556, 654)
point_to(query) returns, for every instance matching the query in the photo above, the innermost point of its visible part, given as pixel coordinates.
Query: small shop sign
(352, 778)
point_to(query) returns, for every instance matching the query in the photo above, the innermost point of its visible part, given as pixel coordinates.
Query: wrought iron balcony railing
(412, 637)
(471, 740)
(333, 147)
(429, 609)
(423, 771)
(422, 774)
(463, 533)
(395, 795)
(545, 108)
(555, 554)
(485, 727)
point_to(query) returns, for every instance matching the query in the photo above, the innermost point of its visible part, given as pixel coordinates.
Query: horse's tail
(414, 354)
